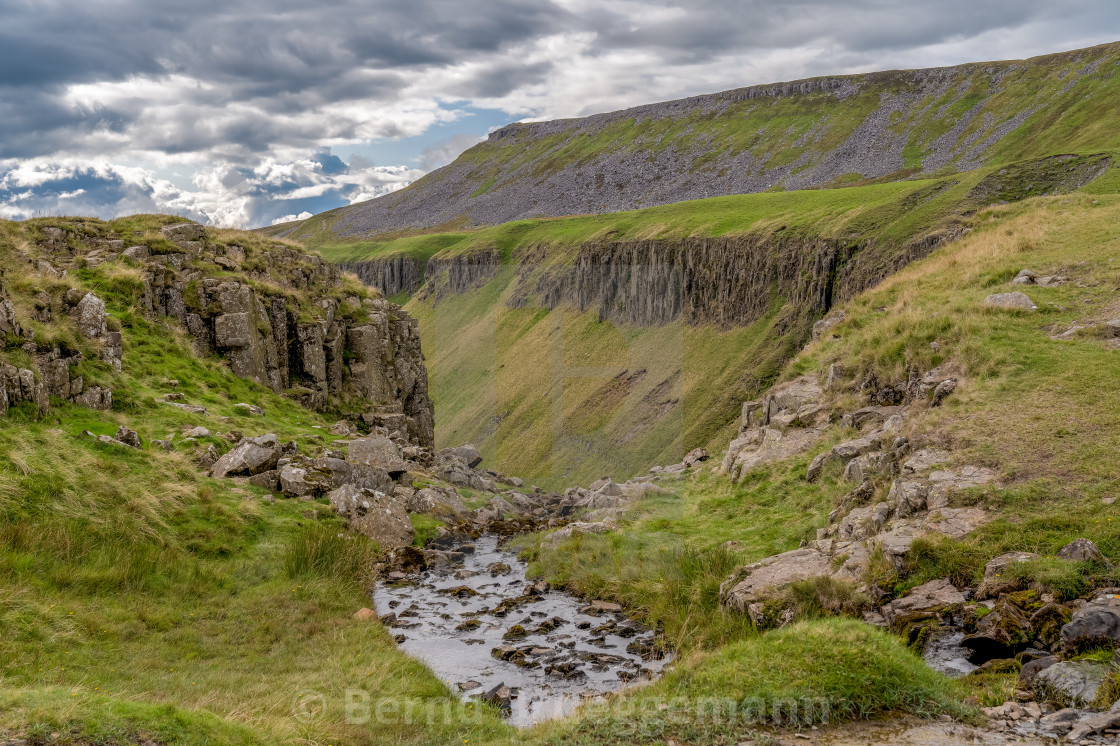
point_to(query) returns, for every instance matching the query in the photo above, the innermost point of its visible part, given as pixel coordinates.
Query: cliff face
(280, 317)
(727, 282)
(460, 272)
(392, 275)
(805, 134)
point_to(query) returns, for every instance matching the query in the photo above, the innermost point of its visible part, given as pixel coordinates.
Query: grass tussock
(805, 674)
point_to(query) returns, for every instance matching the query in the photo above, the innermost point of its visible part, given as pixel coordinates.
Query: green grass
(1011, 414)
(140, 600)
(809, 673)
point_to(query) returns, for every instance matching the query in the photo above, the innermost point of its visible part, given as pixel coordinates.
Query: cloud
(250, 98)
(291, 218)
(224, 195)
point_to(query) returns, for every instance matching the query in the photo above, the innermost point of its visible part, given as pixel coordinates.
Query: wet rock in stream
(535, 652)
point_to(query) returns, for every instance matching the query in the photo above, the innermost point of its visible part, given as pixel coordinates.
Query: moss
(998, 667)
(1027, 601)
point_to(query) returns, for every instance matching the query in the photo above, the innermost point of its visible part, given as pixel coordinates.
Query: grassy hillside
(142, 600)
(560, 395)
(1036, 405)
(825, 132)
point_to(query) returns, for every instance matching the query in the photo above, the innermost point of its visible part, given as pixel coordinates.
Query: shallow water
(554, 667)
(945, 653)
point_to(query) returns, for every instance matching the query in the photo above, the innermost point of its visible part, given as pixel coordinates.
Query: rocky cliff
(723, 281)
(829, 131)
(392, 275)
(281, 317)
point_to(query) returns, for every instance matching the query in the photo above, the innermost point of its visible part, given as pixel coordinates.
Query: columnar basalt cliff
(725, 281)
(728, 282)
(461, 272)
(392, 275)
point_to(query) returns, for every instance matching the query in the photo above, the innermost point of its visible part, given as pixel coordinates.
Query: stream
(491, 633)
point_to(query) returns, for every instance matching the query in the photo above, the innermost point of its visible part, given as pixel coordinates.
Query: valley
(830, 460)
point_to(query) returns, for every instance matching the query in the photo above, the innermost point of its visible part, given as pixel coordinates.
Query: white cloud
(290, 218)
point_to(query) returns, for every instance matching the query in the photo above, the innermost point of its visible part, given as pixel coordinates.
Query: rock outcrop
(54, 369)
(392, 275)
(279, 316)
(337, 350)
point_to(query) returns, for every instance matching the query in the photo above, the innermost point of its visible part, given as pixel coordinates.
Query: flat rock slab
(752, 582)
(936, 594)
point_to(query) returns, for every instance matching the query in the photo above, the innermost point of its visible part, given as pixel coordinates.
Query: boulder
(184, 232)
(934, 597)
(607, 487)
(250, 456)
(373, 513)
(1096, 624)
(128, 437)
(1082, 550)
(1112, 328)
(816, 466)
(442, 559)
(863, 523)
(196, 432)
(924, 460)
(695, 456)
(942, 391)
(1059, 722)
(773, 445)
(1010, 301)
(250, 409)
(308, 478)
(995, 582)
(792, 395)
(90, 316)
(433, 500)
(1070, 683)
(377, 450)
(106, 440)
(823, 326)
(1001, 633)
(1048, 621)
(758, 581)
(1031, 670)
(467, 452)
(870, 416)
(266, 480)
(567, 532)
(851, 449)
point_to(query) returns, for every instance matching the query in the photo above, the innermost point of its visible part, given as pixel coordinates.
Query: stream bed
(491, 633)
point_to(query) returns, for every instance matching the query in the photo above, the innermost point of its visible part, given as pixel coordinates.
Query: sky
(246, 113)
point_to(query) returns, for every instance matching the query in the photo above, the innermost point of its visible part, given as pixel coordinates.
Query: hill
(571, 348)
(824, 132)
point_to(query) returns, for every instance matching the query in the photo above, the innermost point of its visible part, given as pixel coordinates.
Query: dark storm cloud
(240, 88)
